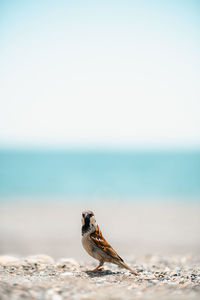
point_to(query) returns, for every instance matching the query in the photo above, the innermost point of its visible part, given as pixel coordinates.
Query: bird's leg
(97, 268)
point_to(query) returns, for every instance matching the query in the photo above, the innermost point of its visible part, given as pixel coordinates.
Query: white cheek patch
(92, 221)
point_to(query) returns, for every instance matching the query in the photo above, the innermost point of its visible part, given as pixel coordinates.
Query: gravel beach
(40, 277)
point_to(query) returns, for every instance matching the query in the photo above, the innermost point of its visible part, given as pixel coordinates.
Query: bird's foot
(99, 268)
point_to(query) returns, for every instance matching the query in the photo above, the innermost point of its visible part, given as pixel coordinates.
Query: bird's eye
(90, 215)
(83, 215)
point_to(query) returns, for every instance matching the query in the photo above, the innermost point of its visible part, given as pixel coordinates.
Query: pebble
(67, 274)
(40, 259)
(8, 260)
(56, 297)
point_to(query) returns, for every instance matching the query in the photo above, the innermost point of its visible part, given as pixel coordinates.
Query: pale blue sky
(100, 73)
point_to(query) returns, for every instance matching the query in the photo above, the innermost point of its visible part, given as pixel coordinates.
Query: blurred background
(99, 109)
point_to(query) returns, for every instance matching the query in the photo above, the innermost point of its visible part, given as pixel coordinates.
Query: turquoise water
(93, 173)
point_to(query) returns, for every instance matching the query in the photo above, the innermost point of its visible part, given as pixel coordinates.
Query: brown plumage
(96, 245)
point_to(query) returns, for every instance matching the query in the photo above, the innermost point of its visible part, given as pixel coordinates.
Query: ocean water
(100, 173)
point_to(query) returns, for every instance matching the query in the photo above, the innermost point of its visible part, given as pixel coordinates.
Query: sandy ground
(40, 277)
(161, 241)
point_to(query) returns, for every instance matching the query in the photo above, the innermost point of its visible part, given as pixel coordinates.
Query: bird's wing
(101, 243)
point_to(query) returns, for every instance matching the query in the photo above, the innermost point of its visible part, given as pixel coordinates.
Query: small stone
(56, 297)
(65, 274)
(109, 272)
(177, 270)
(39, 259)
(8, 260)
(67, 261)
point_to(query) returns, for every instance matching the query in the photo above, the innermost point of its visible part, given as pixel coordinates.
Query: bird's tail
(122, 264)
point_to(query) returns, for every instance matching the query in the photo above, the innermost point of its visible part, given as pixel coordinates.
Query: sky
(100, 73)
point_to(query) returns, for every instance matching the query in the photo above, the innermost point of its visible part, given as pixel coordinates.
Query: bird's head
(88, 221)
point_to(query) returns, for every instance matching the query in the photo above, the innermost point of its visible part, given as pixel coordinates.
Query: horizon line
(101, 148)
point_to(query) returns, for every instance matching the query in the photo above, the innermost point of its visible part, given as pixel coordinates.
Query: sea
(123, 174)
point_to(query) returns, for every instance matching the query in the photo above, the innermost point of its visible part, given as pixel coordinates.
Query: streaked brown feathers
(100, 242)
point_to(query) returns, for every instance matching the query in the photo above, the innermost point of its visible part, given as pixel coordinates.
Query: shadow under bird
(95, 244)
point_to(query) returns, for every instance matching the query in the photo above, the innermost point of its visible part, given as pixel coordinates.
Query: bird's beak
(87, 216)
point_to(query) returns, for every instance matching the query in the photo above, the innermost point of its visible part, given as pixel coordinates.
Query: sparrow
(95, 244)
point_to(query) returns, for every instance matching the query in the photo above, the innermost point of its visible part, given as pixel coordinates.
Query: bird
(95, 244)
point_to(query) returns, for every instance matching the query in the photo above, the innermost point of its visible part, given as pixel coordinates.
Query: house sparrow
(95, 244)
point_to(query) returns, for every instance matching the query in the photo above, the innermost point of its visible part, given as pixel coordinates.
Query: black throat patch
(86, 226)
